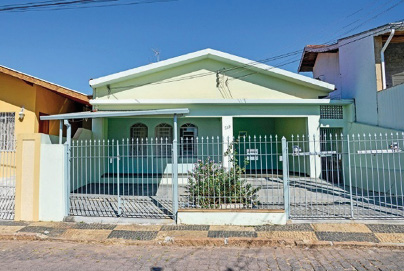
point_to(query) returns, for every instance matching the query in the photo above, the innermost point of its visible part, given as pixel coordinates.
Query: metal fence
(7, 183)
(130, 178)
(134, 178)
(352, 176)
(328, 176)
(242, 173)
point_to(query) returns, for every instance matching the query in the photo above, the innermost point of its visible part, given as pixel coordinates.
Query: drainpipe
(382, 57)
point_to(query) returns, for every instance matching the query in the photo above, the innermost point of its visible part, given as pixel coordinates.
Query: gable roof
(66, 92)
(215, 55)
(311, 52)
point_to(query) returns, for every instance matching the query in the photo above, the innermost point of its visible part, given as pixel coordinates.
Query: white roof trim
(220, 101)
(213, 54)
(105, 114)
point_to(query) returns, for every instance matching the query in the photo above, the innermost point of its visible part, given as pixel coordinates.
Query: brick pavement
(319, 233)
(57, 255)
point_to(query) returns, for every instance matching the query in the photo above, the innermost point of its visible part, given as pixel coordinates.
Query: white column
(99, 128)
(53, 183)
(313, 130)
(227, 136)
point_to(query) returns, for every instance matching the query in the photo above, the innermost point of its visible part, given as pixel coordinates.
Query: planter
(240, 217)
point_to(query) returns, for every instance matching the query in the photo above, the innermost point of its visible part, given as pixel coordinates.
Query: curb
(208, 242)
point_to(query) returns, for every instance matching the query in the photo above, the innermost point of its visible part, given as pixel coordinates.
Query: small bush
(212, 186)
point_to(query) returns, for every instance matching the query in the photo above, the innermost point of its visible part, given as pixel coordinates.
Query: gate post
(175, 169)
(117, 177)
(68, 153)
(350, 177)
(285, 171)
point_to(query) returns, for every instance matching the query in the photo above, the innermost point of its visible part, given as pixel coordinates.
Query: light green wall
(254, 86)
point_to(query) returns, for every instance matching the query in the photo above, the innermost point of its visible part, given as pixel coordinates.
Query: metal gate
(7, 183)
(366, 182)
(7, 165)
(128, 178)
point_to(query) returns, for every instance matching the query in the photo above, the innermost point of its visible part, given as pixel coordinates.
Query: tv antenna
(156, 54)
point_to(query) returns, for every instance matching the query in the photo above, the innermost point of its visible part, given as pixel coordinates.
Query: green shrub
(212, 186)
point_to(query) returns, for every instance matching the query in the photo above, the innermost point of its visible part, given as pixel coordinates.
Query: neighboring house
(367, 67)
(24, 98)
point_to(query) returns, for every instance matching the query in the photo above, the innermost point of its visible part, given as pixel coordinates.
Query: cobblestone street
(44, 255)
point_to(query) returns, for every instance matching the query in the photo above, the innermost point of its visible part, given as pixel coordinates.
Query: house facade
(227, 96)
(210, 130)
(367, 67)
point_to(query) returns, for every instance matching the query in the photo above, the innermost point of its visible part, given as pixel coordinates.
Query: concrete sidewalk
(316, 234)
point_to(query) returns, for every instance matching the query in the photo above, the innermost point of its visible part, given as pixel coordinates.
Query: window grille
(7, 131)
(331, 112)
(164, 133)
(139, 133)
(188, 134)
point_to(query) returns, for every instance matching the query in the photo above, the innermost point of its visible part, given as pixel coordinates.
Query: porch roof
(105, 114)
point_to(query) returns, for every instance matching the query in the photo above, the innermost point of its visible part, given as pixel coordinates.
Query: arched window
(164, 139)
(139, 133)
(188, 134)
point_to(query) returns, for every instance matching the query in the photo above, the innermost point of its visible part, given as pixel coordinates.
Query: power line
(253, 63)
(73, 4)
(282, 56)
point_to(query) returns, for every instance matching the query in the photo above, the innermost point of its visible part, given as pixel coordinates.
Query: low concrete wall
(41, 179)
(53, 190)
(231, 217)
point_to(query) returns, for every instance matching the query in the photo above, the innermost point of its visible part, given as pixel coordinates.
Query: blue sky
(68, 47)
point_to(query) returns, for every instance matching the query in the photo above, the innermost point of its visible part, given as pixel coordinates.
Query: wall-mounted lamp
(21, 114)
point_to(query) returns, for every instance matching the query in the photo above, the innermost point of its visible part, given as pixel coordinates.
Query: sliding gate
(128, 178)
(352, 176)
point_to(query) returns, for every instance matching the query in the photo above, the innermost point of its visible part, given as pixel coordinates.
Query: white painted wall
(391, 107)
(231, 218)
(53, 188)
(82, 134)
(327, 69)
(358, 77)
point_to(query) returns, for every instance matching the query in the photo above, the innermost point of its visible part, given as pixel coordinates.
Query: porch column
(99, 128)
(227, 136)
(313, 130)
(60, 131)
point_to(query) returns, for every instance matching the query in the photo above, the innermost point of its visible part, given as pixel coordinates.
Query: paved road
(43, 255)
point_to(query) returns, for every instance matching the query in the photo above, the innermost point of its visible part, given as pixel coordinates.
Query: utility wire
(286, 55)
(73, 4)
(235, 68)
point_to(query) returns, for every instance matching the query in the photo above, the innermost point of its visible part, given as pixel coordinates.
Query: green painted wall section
(119, 128)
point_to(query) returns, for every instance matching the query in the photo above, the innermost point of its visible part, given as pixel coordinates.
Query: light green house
(154, 124)
(226, 95)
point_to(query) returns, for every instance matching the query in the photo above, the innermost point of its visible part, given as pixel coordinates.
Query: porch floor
(317, 198)
(131, 206)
